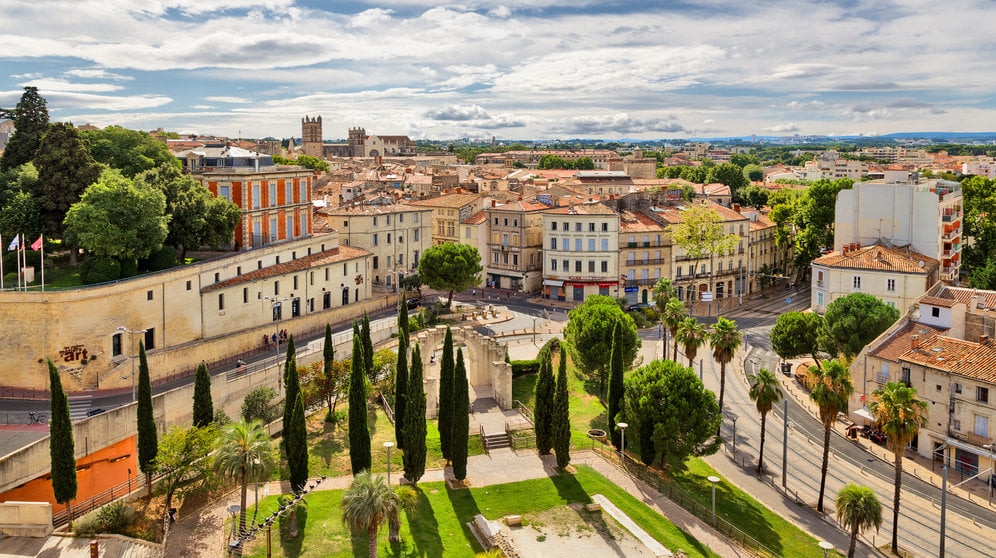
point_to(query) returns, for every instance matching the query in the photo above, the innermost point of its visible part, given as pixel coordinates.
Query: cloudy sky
(521, 69)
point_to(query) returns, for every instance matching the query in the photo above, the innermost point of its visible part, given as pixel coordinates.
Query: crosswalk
(79, 406)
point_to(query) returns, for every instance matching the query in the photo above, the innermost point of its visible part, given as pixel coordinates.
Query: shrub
(129, 268)
(96, 269)
(256, 405)
(164, 258)
(220, 417)
(525, 367)
(115, 517)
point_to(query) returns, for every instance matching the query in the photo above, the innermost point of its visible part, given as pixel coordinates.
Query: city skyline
(607, 69)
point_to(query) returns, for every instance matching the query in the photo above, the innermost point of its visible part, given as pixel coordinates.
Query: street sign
(788, 300)
(706, 296)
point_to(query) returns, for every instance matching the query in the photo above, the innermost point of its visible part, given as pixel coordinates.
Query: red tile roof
(338, 254)
(880, 258)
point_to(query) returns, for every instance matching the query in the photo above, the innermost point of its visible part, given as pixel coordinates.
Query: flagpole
(1, 263)
(42, 238)
(17, 260)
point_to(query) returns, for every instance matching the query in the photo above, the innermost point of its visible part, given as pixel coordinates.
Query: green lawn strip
(587, 411)
(746, 513)
(438, 528)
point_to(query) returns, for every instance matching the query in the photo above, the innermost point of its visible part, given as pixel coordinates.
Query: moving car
(639, 306)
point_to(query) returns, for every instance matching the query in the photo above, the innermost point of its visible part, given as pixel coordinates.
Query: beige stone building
(514, 259)
(581, 254)
(645, 253)
(448, 211)
(474, 231)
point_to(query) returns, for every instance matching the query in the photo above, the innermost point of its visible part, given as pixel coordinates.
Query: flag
(36, 245)
(14, 243)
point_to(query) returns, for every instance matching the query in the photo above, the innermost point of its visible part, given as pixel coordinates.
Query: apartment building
(448, 210)
(474, 231)
(514, 257)
(581, 255)
(644, 254)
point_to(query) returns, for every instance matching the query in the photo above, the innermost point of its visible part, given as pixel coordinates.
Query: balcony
(971, 438)
(640, 282)
(647, 261)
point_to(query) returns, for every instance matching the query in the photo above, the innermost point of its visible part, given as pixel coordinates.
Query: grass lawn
(586, 410)
(438, 526)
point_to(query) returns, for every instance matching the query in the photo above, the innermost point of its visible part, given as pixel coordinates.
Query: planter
(597, 434)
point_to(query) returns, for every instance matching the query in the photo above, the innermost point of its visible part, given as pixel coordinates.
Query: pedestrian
(473, 292)
(274, 338)
(266, 340)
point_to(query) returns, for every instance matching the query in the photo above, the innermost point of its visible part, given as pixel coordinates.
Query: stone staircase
(496, 441)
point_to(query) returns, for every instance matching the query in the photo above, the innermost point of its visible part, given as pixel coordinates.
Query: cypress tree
(148, 443)
(30, 118)
(615, 383)
(328, 362)
(403, 325)
(562, 416)
(61, 448)
(292, 386)
(401, 391)
(461, 419)
(359, 436)
(203, 405)
(414, 434)
(297, 447)
(445, 417)
(368, 350)
(543, 412)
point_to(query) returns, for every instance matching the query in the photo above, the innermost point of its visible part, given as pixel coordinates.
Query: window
(116, 345)
(605, 245)
(567, 227)
(553, 226)
(577, 244)
(982, 426)
(466, 234)
(255, 196)
(605, 227)
(388, 238)
(188, 284)
(375, 221)
(982, 394)
(150, 338)
(496, 221)
(890, 285)
(276, 288)
(957, 388)
(553, 265)
(591, 227)
(904, 376)
(857, 281)
(376, 239)
(225, 192)
(515, 259)
(566, 242)
(935, 312)
(605, 266)
(376, 259)
(515, 222)
(221, 302)
(577, 227)
(678, 274)
(148, 295)
(496, 257)
(326, 300)
(577, 266)
(273, 195)
(591, 266)
(505, 222)
(245, 295)
(295, 282)
(553, 243)
(591, 244)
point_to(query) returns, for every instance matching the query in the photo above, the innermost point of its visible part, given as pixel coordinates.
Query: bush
(525, 367)
(164, 258)
(129, 268)
(115, 517)
(96, 269)
(220, 417)
(256, 405)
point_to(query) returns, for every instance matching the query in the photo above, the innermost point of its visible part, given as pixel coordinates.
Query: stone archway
(486, 364)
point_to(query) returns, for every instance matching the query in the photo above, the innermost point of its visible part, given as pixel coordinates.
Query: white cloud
(783, 128)
(97, 73)
(49, 85)
(229, 100)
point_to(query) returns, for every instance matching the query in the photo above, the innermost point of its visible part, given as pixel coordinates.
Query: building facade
(448, 210)
(645, 253)
(581, 254)
(514, 259)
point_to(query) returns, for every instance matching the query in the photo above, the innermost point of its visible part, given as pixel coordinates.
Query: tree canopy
(589, 336)
(450, 267)
(130, 151)
(853, 321)
(30, 118)
(65, 171)
(796, 334)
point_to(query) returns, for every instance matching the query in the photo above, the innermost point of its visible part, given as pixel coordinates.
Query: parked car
(413, 303)
(640, 306)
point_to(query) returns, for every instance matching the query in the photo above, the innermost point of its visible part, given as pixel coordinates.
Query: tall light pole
(275, 308)
(944, 499)
(622, 446)
(713, 480)
(388, 446)
(785, 437)
(132, 332)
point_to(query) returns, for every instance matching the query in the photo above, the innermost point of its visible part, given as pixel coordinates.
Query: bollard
(94, 551)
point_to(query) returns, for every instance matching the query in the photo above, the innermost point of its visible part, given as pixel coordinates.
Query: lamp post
(132, 332)
(622, 446)
(827, 547)
(713, 479)
(233, 510)
(275, 308)
(388, 446)
(944, 499)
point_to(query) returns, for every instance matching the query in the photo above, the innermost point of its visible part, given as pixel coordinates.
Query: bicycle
(36, 418)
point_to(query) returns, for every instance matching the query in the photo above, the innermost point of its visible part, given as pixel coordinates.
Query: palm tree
(831, 388)
(765, 391)
(245, 453)
(858, 509)
(405, 500)
(692, 335)
(725, 340)
(663, 292)
(673, 314)
(369, 502)
(900, 414)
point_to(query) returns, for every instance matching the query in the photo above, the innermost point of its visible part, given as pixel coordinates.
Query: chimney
(983, 339)
(736, 207)
(914, 341)
(494, 203)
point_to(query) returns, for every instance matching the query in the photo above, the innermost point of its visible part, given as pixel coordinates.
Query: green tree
(765, 392)
(148, 443)
(673, 315)
(401, 390)
(292, 384)
(813, 217)
(415, 447)
(753, 173)
(663, 292)
(725, 339)
(182, 457)
(692, 335)
(203, 405)
(900, 414)
(853, 321)
(20, 210)
(616, 387)
(796, 334)
(65, 171)
(368, 503)
(309, 162)
(984, 277)
(256, 405)
(668, 404)
(730, 175)
(368, 350)
(701, 234)
(130, 151)
(461, 419)
(450, 267)
(30, 118)
(831, 387)
(330, 384)
(755, 196)
(244, 453)
(406, 502)
(297, 446)
(444, 420)
(562, 416)
(543, 411)
(858, 509)
(359, 434)
(61, 447)
(589, 337)
(117, 219)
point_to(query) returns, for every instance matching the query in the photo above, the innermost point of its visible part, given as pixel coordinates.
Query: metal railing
(83, 507)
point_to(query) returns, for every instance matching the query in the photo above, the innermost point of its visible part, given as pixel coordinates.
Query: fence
(676, 494)
(83, 507)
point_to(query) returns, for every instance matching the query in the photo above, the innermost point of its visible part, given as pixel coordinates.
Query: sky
(544, 69)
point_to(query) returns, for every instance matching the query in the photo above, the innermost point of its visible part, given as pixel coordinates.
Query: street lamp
(713, 479)
(275, 305)
(132, 332)
(388, 446)
(622, 446)
(827, 547)
(233, 510)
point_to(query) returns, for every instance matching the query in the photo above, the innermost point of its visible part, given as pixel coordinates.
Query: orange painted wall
(94, 474)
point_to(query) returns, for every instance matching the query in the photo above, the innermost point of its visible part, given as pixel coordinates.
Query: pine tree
(203, 405)
(562, 416)
(148, 443)
(401, 391)
(359, 435)
(543, 412)
(461, 419)
(445, 417)
(328, 362)
(414, 434)
(297, 447)
(368, 351)
(61, 448)
(30, 118)
(615, 383)
(292, 385)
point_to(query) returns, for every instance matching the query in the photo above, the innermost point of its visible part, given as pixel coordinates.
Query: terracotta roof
(370, 209)
(636, 221)
(936, 301)
(449, 200)
(521, 205)
(338, 254)
(965, 295)
(880, 258)
(597, 208)
(964, 358)
(901, 341)
(476, 219)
